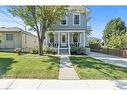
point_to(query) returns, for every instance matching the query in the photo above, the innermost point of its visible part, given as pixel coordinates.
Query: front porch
(64, 40)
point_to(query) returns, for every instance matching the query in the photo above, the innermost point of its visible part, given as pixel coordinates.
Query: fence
(116, 52)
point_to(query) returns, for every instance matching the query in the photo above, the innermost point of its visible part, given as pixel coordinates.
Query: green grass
(28, 66)
(90, 68)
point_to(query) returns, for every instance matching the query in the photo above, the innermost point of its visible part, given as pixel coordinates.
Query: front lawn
(28, 66)
(90, 68)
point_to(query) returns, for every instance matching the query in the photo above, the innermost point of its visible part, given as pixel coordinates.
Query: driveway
(110, 59)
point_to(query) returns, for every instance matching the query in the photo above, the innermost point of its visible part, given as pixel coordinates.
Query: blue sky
(100, 15)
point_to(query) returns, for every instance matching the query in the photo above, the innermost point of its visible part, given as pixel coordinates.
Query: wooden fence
(116, 52)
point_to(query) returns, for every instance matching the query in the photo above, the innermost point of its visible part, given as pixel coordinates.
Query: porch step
(64, 51)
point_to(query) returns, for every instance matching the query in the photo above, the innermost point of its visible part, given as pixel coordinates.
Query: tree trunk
(40, 47)
(42, 40)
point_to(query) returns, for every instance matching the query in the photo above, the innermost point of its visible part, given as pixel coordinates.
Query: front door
(64, 39)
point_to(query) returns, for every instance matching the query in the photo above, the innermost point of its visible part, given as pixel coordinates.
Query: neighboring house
(13, 37)
(64, 33)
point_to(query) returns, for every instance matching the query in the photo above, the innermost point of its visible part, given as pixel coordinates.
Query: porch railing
(53, 44)
(76, 44)
(69, 49)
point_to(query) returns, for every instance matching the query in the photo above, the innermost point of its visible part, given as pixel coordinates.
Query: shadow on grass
(29, 66)
(92, 63)
(5, 65)
(53, 61)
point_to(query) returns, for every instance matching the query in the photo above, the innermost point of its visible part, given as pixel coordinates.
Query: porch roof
(68, 31)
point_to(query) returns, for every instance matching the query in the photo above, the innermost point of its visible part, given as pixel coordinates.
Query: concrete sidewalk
(62, 84)
(66, 70)
(110, 59)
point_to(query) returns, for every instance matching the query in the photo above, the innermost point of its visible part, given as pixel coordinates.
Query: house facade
(71, 31)
(13, 37)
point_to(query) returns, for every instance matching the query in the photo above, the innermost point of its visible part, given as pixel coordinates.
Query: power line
(13, 19)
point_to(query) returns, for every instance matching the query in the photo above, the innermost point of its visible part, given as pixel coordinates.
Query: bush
(18, 51)
(77, 50)
(34, 51)
(80, 50)
(73, 49)
(49, 50)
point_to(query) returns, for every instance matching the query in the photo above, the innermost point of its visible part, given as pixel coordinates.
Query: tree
(118, 41)
(39, 18)
(93, 40)
(115, 27)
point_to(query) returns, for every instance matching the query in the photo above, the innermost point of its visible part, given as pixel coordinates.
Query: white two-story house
(71, 31)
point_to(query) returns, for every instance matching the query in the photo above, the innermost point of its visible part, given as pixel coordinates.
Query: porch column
(58, 42)
(84, 39)
(68, 42)
(80, 37)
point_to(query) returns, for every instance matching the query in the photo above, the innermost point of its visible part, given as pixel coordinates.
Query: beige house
(13, 37)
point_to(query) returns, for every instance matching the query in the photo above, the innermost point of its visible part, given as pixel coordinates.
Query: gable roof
(15, 29)
(82, 9)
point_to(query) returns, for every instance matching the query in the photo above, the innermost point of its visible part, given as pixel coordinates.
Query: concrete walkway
(62, 84)
(110, 59)
(66, 70)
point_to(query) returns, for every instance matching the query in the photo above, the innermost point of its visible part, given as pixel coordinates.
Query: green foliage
(73, 49)
(39, 18)
(118, 41)
(47, 15)
(50, 34)
(76, 35)
(49, 50)
(114, 28)
(93, 40)
(34, 51)
(77, 50)
(80, 50)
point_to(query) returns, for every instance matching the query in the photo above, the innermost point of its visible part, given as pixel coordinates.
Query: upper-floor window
(9, 36)
(64, 21)
(76, 19)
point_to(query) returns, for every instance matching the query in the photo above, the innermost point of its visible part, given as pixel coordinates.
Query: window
(64, 21)
(9, 36)
(76, 19)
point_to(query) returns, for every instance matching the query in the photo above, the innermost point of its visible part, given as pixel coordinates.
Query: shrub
(49, 50)
(80, 50)
(77, 50)
(73, 49)
(18, 51)
(34, 51)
